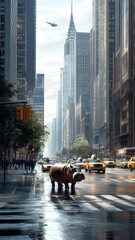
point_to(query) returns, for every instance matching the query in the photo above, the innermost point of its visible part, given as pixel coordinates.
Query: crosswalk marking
(118, 200)
(128, 180)
(127, 197)
(72, 203)
(114, 180)
(102, 203)
(26, 216)
(89, 206)
(95, 201)
(131, 180)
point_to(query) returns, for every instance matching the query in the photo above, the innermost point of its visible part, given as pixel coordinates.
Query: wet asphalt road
(101, 208)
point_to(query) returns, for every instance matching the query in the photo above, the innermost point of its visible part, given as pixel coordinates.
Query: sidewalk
(13, 177)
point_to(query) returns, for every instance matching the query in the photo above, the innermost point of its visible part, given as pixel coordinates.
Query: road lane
(91, 212)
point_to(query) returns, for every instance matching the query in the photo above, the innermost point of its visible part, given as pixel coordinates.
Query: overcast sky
(51, 40)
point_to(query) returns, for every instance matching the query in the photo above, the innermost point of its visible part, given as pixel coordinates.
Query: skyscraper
(104, 32)
(76, 78)
(26, 48)
(124, 76)
(81, 72)
(8, 40)
(38, 97)
(68, 71)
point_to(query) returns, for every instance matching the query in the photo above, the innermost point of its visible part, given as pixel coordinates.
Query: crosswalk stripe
(128, 180)
(21, 210)
(89, 206)
(127, 197)
(118, 200)
(131, 180)
(114, 180)
(102, 203)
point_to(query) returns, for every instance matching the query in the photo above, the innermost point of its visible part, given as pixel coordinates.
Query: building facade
(124, 77)
(104, 35)
(68, 78)
(8, 40)
(26, 48)
(39, 98)
(81, 71)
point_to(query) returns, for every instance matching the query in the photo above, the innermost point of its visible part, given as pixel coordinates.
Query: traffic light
(19, 114)
(27, 113)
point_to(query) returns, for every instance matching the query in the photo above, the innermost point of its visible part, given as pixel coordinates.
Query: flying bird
(52, 24)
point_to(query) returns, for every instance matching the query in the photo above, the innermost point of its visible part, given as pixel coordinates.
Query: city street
(102, 207)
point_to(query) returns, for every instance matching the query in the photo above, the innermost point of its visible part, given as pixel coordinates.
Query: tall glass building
(8, 40)
(26, 48)
(104, 49)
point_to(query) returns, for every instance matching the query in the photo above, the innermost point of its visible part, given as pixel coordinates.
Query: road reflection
(65, 214)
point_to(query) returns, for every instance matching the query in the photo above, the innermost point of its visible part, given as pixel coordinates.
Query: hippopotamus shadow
(71, 192)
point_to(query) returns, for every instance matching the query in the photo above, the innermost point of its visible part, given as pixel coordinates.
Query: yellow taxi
(95, 165)
(80, 164)
(123, 163)
(131, 163)
(109, 162)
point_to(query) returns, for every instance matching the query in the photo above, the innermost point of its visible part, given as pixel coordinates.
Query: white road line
(128, 180)
(89, 206)
(127, 197)
(118, 200)
(115, 180)
(102, 203)
(83, 203)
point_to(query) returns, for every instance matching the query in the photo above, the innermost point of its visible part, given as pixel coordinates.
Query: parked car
(123, 163)
(131, 163)
(109, 162)
(95, 165)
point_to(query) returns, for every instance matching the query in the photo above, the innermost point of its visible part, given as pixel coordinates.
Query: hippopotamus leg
(73, 185)
(59, 185)
(53, 183)
(66, 186)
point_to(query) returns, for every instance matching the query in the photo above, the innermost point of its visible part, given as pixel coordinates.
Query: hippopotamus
(65, 174)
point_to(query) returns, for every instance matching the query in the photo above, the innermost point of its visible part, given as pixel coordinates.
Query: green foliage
(81, 148)
(33, 134)
(6, 90)
(15, 134)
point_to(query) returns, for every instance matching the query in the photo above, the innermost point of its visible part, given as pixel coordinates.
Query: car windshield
(94, 161)
(48, 163)
(124, 160)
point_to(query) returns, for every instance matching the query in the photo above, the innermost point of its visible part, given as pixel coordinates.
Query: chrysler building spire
(71, 29)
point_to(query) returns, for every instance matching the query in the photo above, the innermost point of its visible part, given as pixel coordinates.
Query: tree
(7, 90)
(6, 117)
(33, 135)
(81, 148)
(15, 134)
